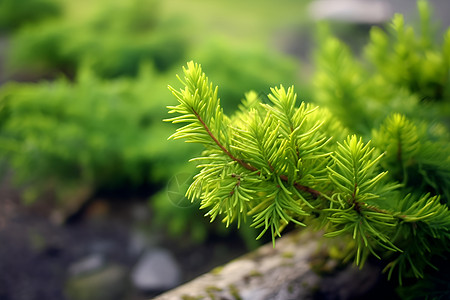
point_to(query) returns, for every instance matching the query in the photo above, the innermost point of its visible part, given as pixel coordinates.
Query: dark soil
(36, 252)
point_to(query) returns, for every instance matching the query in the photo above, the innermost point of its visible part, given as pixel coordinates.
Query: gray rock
(283, 273)
(157, 270)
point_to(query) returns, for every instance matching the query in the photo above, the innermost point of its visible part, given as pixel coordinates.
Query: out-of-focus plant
(239, 70)
(15, 14)
(106, 133)
(114, 38)
(91, 133)
(400, 71)
(411, 60)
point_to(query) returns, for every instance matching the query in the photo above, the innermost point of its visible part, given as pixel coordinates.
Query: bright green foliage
(227, 182)
(287, 162)
(358, 185)
(280, 161)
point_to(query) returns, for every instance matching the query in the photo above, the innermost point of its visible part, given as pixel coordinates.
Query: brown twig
(298, 186)
(249, 167)
(239, 161)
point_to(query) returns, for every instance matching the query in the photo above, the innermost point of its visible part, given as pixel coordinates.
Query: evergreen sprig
(356, 184)
(286, 162)
(269, 157)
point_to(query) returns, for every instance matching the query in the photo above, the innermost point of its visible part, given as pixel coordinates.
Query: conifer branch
(278, 164)
(249, 167)
(303, 188)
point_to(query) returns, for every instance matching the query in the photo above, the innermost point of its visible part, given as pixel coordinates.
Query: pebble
(157, 270)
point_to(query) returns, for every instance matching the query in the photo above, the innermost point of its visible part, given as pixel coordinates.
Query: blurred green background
(85, 85)
(85, 159)
(83, 92)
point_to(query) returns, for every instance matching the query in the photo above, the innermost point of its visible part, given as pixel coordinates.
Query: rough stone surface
(282, 273)
(157, 270)
(268, 273)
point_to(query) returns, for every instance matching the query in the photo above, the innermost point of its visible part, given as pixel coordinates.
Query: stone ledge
(283, 272)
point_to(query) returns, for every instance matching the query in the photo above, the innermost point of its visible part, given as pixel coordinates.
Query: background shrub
(14, 14)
